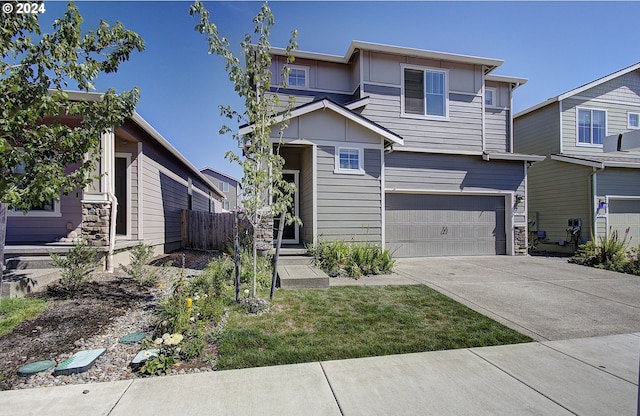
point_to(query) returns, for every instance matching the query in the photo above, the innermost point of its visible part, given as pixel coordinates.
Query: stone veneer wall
(264, 232)
(520, 241)
(95, 223)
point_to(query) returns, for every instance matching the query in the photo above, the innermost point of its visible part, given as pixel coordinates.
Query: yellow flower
(158, 341)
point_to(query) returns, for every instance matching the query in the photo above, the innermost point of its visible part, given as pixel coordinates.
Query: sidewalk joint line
(522, 382)
(121, 396)
(331, 387)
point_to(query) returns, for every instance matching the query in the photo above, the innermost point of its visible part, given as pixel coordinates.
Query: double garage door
(623, 214)
(419, 225)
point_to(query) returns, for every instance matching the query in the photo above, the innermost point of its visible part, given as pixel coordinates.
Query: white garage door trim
(509, 201)
(608, 198)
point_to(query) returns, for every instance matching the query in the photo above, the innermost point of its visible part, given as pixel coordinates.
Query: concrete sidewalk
(589, 376)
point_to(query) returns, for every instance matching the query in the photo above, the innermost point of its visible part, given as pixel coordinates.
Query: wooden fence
(206, 231)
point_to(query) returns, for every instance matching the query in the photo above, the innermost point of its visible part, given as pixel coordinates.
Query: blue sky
(556, 45)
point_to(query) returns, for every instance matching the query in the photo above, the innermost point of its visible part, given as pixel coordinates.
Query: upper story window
(224, 186)
(490, 97)
(298, 76)
(425, 92)
(349, 160)
(633, 120)
(592, 126)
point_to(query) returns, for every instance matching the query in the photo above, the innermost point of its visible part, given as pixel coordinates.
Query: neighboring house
(405, 148)
(230, 187)
(578, 180)
(151, 181)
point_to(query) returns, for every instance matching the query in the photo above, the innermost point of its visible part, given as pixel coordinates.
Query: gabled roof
(326, 103)
(391, 49)
(231, 178)
(580, 89)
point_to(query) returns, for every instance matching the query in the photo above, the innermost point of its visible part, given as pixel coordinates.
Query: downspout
(482, 92)
(511, 88)
(594, 197)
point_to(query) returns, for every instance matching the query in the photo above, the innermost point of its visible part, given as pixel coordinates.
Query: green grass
(352, 322)
(15, 310)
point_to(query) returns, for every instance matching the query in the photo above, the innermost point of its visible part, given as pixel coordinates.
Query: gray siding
(615, 182)
(624, 88)
(323, 126)
(28, 229)
(538, 132)
(306, 195)
(323, 76)
(496, 129)
(451, 173)
(232, 194)
(557, 192)
(349, 206)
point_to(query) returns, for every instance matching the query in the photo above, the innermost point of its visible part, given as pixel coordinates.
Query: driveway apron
(545, 298)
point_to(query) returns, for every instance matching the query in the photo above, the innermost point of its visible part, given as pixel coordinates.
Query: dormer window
(425, 92)
(490, 95)
(298, 76)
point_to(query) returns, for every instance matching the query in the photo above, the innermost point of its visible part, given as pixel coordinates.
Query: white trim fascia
(536, 107)
(314, 180)
(614, 164)
(309, 55)
(561, 135)
(515, 81)
(358, 104)
(137, 118)
(599, 81)
(575, 161)
(514, 156)
(470, 94)
(140, 158)
(127, 157)
(326, 104)
(395, 190)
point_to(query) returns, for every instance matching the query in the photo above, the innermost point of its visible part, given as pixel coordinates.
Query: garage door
(625, 213)
(445, 225)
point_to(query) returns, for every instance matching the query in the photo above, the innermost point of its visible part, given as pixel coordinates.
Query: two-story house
(578, 180)
(228, 185)
(406, 148)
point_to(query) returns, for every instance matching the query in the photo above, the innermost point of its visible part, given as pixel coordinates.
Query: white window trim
(629, 126)
(494, 103)
(339, 170)
(606, 126)
(306, 76)
(446, 93)
(37, 213)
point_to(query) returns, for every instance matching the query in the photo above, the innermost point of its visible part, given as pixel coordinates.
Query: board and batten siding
(496, 129)
(558, 192)
(538, 132)
(349, 206)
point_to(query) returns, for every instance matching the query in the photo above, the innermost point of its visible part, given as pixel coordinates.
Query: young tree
(266, 193)
(42, 132)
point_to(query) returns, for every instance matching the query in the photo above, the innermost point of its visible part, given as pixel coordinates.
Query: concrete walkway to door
(543, 297)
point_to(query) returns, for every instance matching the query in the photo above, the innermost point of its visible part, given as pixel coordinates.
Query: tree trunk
(236, 255)
(3, 233)
(277, 255)
(255, 261)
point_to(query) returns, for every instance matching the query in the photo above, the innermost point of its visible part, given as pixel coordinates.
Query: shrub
(340, 258)
(139, 258)
(76, 267)
(609, 252)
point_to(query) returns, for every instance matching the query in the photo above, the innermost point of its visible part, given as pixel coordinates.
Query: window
(298, 76)
(225, 205)
(349, 160)
(48, 208)
(592, 126)
(490, 96)
(224, 186)
(633, 120)
(425, 92)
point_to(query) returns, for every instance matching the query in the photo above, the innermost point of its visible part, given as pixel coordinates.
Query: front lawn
(352, 322)
(15, 310)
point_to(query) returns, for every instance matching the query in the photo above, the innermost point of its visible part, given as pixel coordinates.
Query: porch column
(107, 162)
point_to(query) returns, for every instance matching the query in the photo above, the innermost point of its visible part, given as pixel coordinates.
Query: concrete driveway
(545, 298)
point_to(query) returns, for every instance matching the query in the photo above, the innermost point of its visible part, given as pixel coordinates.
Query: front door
(121, 194)
(290, 234)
